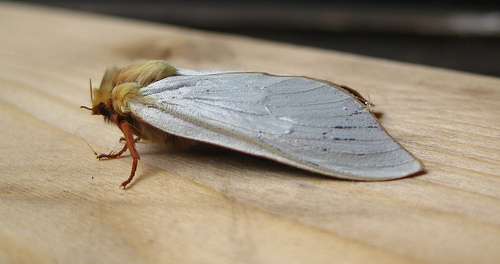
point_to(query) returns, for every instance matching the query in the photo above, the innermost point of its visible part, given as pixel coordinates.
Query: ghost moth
(307, 123)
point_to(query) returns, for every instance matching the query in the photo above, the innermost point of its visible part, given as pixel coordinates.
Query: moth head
(101, 97)
(121, 85)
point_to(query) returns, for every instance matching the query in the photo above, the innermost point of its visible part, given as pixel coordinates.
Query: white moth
(307, 123)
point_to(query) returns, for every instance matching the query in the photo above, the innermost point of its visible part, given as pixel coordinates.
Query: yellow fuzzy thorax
(119, 86)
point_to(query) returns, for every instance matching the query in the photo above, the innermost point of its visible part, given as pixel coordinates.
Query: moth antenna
(91, 94)
(88, 143)
(91, 97)
(91, 148)
(86, 107)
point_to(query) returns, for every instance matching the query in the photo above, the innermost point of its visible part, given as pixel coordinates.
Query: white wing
(302, 122)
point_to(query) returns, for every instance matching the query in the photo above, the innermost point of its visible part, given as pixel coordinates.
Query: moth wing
(307, 123)
(190, 72)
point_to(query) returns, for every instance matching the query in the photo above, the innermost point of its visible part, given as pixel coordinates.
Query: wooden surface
(209, 205)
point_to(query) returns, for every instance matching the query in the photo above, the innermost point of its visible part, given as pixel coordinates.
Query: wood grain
(210, 205)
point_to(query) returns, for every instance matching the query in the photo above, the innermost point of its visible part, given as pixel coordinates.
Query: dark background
(461, 35)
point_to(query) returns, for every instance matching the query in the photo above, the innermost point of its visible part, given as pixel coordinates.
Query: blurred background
(461, 35)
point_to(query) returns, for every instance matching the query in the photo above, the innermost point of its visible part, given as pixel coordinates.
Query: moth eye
(103, 109)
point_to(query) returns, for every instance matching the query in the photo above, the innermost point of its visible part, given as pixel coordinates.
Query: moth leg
(137, 139)
(112, 154)
(130, 144)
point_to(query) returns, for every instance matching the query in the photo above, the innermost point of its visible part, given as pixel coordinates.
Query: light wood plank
(210, 205)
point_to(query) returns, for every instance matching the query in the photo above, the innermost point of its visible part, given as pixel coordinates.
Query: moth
(311, 124)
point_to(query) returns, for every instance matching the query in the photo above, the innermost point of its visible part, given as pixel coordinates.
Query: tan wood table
(210, 205)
